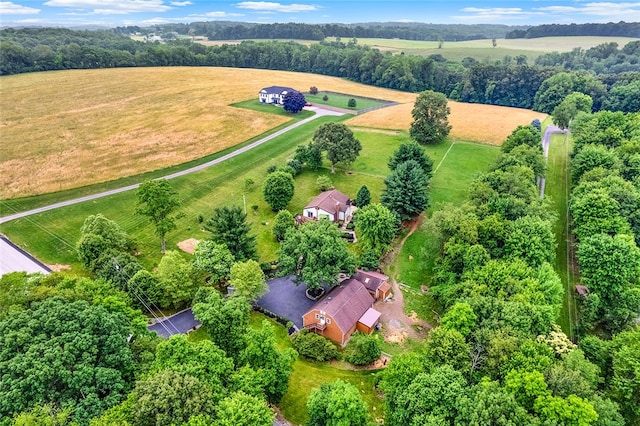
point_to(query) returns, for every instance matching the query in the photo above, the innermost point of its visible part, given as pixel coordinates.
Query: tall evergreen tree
(229, 227)
(406, 191)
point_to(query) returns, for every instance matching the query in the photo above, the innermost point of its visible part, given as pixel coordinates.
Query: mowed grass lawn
(68, 129)
(341, 100)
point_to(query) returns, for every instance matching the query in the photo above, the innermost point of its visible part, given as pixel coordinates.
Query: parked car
(308, 104)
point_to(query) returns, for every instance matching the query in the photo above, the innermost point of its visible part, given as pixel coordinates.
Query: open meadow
(472, 122)
(67, 129)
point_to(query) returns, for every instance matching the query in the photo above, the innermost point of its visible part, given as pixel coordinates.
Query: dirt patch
(58, 267)
(188, 246)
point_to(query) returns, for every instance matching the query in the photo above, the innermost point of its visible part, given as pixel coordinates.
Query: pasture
(340, 100)
(67, 129)
(483, 50)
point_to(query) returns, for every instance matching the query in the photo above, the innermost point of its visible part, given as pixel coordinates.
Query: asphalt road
(319, 112)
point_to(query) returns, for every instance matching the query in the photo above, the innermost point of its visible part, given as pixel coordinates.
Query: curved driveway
(319, 112)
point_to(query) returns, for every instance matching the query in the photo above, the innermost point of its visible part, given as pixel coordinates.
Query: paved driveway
(14, 259)
(286, 299)
(180, 323)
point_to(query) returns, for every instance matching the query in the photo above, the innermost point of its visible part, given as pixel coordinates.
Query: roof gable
(346, 304)
(330, 201)
(371, 280)
(276, 90)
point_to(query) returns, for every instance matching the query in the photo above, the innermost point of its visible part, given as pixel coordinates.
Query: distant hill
(611, 29)
(228, 30)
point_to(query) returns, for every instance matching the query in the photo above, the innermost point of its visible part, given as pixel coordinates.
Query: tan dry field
(65, 129)
(473, 122)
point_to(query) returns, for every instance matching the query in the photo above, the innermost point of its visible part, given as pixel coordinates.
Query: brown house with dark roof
(332, 204)
(347, 308)
(376, 283)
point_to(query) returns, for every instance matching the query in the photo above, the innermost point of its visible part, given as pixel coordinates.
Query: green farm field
(483, 49)
(341, 101)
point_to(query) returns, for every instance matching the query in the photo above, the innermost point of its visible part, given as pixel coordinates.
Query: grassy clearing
(557, 191)
(483, 50)
(90, 126)
(450, 184)
(341, 101)
(472, 122)
(308, 375)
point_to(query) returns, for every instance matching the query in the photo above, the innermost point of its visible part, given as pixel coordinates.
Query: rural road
(319, 112)
(546, 140)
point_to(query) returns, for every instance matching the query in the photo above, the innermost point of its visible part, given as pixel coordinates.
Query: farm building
(376, 283)
(332, 204)
(273, 94)
(347, 308)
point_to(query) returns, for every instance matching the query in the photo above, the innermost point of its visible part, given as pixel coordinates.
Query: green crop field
(483, 50)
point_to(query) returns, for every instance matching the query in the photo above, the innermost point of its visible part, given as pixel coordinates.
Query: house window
(328, 320)
(309, 214)
(317, 316)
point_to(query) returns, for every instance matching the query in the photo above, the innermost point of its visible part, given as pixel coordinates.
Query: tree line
(610, 29)
(228, 30)
(509, 82)
(497, 356)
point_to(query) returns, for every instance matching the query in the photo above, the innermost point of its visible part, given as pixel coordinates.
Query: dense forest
(610, 75)
(610, 29)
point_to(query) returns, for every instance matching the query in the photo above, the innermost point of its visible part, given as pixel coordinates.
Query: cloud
(221, 14)
(106, 7)
(10, 8)
(495, 15)
(267, 6)
(180, 3)
(626, 11)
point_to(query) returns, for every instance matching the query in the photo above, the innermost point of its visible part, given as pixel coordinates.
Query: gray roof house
(274, 94)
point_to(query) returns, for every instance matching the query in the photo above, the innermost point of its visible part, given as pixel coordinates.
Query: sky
(112, 13)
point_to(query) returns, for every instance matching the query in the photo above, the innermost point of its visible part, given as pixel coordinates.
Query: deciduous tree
(158, 200)
(293, 101)
(215, 259)
(176, 283)
(69, 354)
(240, 409)
(248, 280)
(278, 190)
(376, 226)
(316, 254)
(430, 118)
(337, 403)
(282, 223)
(339, 142)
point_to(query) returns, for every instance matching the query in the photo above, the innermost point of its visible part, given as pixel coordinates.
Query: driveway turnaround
(286, 299)
(180, 323)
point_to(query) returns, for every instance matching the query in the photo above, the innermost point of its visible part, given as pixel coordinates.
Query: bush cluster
(362, 349)
(313, 346)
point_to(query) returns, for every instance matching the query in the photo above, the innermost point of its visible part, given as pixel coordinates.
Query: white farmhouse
(274, 94)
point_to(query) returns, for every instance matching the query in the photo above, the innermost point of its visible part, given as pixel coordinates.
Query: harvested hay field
(66, 129)
(473, 122)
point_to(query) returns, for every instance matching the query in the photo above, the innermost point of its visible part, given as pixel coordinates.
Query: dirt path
(396, 325)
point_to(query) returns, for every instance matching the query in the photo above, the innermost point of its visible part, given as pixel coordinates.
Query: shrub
(325, 98)
(313, 346)
(272, 169)
(200, 218)
(313, 90)
(352, 103)
(362, 349)
(295, 165)
(323, 183)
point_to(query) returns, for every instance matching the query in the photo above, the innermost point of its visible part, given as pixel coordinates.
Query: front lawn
(340, 100)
